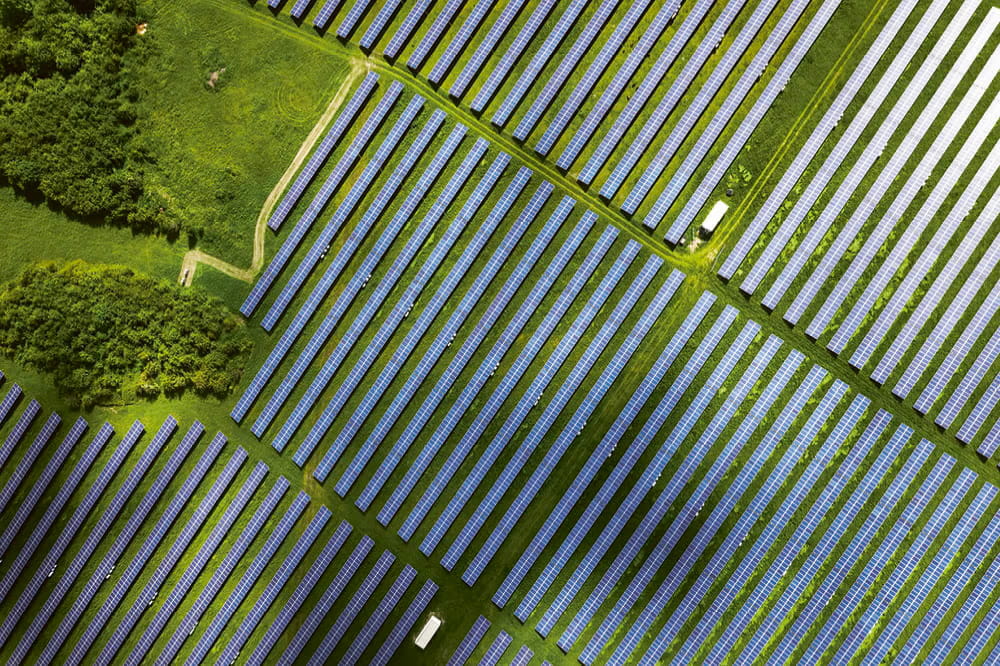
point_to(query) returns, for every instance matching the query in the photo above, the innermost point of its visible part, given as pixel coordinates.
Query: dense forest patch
(69, 88)
(109, 335)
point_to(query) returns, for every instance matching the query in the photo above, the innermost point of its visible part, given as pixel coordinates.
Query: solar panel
(680, 478)
(979, 638)
(385, 13)
(794, 500)
(636, 55)
(503, 66)
(47, 564)
(470, 642)
(542, 56)
(356, 193)
(350, 247)
(153, 539)
(253, 615)
(447, 378)
(496, 649)
(977, 418)
(322, 19)
(486, 368)
(377, 619)
(487, 46)
(31, 499)
(354, 15)
(629, 505)
(524, 359)
(250, 576)
(410, 23)
(299, 8)
(523, 656)
(225, 568)
(726, 508)
(808, 570)
(8, 402)
(18, 431)
(751, 120)
(885, 548)
(916, 84)
(679, 85)
(111, 512)
(929, 301)
(407, 300)
(569, 62)
(442, 19)
(597, 458)
(405, 623)
(915, 225)
(451, 327)
(459, 41)
(206, 551)
(609, 374)
(298, 597)
(375, 300)
(125, 535)
(330, 595)
(831, 118)
(343, 122)
(696, 502)
(31, 455)
(916, 177)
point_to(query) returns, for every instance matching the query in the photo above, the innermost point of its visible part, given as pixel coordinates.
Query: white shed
(713, 218)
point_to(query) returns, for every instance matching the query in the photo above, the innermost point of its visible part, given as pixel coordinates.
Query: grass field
(279, 78)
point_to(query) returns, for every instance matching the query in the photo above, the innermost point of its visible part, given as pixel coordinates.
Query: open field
(496, 368)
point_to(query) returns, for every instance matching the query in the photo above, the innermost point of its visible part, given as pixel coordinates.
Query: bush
(109, 335)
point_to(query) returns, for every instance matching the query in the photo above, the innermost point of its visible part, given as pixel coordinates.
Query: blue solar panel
(410, 23)
(444, 336)
(831, 118)
(793, 501)
(298, 597)
(47, 564)
(874, 475)
(977, 641)
(114, 552)
(225, 568)
(192, 571)
(523, 656)
(372, 168)
(569, 62)
(344, 121)
(609, 374)
(259, 561)
(622, 468)
(299, 8)
(474, 338)
(408, 299)
(656, 559)
(111, 512)
(353, 16)
(524, 359)
(323, 605)
(541, 57)
(31, 455)
(405, 624)
(891, 171)
(503, 65)
(322, 19)
(613, 89)
(680, 479)
(459, 41)
(597, 458)
(444, 17)
(371, 306)
(20, 428)
(470, 642)
(319, 156)
(487, 46)
(385, 13)
(253, 615)
(350, 247)
(153, 539)
(9, 400)
(377, 619)
(496, 649)
(966, 389)
(707, 574)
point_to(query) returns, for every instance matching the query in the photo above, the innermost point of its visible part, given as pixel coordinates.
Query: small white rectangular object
(714, 217)
(427, 633)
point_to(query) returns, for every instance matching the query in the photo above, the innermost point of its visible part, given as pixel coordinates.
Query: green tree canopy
(109, 335)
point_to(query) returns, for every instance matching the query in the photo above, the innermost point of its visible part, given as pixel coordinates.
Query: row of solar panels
(913, 246)
(101, 584)
(494, 651)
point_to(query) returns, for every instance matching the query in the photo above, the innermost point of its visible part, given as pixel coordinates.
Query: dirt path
(194, 257)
